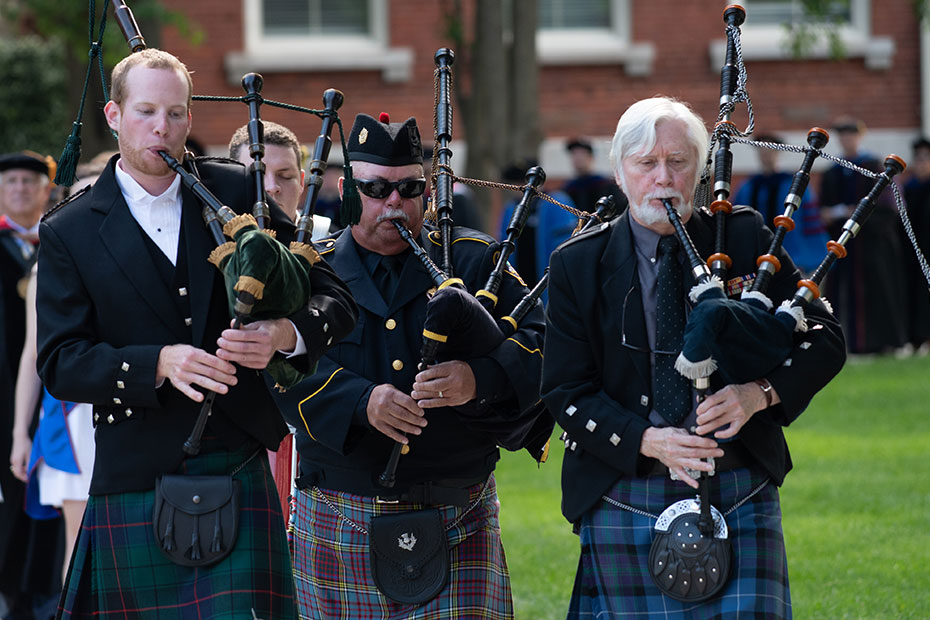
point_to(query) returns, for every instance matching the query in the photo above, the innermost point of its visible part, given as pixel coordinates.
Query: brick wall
(574, 100)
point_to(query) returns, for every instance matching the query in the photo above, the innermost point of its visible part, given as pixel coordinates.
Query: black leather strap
(448, 491)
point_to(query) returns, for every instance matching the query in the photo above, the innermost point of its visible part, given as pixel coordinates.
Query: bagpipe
(741, 339)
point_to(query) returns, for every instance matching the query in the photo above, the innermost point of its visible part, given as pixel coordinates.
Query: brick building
(594, 61)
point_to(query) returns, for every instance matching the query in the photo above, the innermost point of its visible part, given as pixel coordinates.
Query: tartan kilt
(332, 566)
(118, 570)
(613, 575)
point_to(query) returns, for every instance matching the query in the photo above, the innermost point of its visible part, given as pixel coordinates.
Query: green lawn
(856, 506)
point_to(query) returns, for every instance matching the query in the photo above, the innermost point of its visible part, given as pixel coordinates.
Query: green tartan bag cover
(196, 518)
(409, 555)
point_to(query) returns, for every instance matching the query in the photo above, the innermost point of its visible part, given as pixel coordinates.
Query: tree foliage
(68, 22)
(822, 21)
(33, 102)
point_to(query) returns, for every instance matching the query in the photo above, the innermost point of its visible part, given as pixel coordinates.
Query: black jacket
(589, 376)
(340, 451)
(105, 312)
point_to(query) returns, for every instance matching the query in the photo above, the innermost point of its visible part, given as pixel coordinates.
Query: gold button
(398, 365)
(390, 323)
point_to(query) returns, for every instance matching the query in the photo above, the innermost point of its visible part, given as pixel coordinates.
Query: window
(318, 35)
(584, 32)
(765, 36)
(563, 14)
(315, 17)
(778, 12)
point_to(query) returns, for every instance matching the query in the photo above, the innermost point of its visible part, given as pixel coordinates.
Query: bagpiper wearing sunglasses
(367, 393)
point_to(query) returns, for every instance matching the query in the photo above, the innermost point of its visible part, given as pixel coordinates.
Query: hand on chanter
(394, 413)
(447, 384)
(678, 449)
(186, 366)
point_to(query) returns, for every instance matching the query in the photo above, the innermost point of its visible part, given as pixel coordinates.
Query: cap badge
(363, 136)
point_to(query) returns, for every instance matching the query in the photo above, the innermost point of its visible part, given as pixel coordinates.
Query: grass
(856, 507)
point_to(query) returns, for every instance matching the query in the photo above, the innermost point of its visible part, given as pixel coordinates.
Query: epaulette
(66, 201)
(591, 232)
(325, 246)
(462, 234)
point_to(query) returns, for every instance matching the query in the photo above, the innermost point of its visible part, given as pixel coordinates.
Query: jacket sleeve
(507, 378)
(73, 363)
(328, 317)
(329, 314)
(319, 405)
(573, 376)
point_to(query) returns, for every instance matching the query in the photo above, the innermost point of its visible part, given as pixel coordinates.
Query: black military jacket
(339, 450)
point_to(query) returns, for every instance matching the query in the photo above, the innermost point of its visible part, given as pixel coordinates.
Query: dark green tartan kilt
(118, 571)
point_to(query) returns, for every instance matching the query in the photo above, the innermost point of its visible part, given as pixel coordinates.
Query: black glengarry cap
(385, 143)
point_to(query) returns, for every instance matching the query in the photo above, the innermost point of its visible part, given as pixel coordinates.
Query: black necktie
(387, 274)
(671, 392)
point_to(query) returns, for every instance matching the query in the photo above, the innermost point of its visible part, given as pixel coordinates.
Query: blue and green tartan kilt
(613, 576)
(331, 561)
(118, 571)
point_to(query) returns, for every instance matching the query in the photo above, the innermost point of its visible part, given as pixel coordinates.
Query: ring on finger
(440, 394)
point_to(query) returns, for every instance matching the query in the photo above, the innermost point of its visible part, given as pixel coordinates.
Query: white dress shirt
(160, 218)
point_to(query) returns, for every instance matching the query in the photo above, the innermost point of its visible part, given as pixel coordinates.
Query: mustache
(660, 195)
(393, 214)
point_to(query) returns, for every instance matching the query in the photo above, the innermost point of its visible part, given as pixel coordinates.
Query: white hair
(636, 131)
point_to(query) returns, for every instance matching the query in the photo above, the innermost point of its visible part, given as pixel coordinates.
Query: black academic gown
(867, 288)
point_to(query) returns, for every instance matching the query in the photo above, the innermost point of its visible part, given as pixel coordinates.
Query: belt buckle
(693, 473)
(382, 500)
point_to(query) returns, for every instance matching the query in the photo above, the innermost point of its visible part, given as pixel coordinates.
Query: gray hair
(636, 130)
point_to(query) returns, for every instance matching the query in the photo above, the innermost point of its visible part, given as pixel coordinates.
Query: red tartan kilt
(331, 562)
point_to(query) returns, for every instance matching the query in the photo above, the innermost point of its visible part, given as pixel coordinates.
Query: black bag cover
(196, 518)
(409, 555)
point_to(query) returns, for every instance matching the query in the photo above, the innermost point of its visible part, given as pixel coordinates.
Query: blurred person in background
(765, 192)
(867, 288)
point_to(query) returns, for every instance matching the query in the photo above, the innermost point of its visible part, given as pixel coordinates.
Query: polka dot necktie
(671, 392)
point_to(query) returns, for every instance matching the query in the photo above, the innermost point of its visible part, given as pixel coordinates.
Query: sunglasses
(380, 188)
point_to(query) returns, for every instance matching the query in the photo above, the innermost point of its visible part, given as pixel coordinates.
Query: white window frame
(282, 53)
(597, 46)
(769, 42)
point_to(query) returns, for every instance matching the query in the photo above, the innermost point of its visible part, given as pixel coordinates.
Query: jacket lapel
(414, 279)
(702, 235)
(122, 237)
(201, 272)
(622, 291)
(347, 264)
